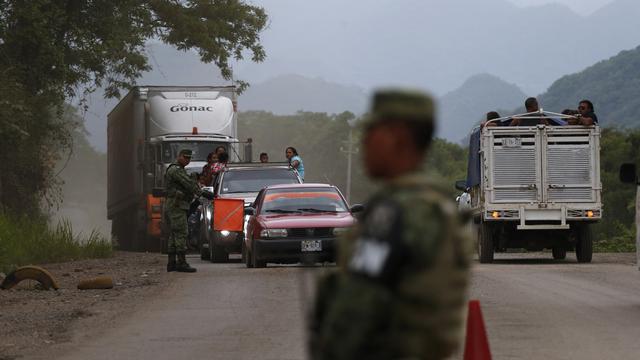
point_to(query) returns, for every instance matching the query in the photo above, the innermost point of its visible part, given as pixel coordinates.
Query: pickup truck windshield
(200, 149)
(253, 180)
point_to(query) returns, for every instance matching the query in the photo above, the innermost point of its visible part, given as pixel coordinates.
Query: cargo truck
(146, 130)
(534, 187)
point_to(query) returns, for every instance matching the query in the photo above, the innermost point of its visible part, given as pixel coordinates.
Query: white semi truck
(146, 130)
(534, 187)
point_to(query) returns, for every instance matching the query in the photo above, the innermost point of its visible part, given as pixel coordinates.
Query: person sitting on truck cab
(205, 177)
(531, 104)
(219, 166)
(587, 115)
(492, 115)
(295, 161)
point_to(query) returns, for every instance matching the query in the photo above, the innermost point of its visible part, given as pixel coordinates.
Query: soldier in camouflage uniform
(401, 286)
(181, 190)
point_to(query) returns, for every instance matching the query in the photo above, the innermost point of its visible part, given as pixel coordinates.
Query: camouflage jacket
(181, 188)
(401, 286)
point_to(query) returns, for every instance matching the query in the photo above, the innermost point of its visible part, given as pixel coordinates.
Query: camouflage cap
(185, 153)
(400, 104)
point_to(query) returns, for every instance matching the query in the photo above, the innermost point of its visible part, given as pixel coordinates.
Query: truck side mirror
(248, 210)
(357, 208)
(628, 173)
(461, 185)
(159, 192)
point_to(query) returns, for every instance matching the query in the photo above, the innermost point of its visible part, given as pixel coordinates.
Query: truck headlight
(225, 233)
(273, 233)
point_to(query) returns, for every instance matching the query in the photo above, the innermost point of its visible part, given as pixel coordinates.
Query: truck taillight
(194, 131)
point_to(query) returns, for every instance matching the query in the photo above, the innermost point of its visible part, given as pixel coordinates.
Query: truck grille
(310, 232)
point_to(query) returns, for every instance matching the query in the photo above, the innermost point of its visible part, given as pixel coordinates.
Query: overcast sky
(582, 7)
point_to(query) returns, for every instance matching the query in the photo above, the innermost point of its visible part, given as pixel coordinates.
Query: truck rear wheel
(559, 252)
(485, 243)
(584, 243)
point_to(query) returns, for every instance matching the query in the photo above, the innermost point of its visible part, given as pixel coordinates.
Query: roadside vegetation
(25, 241)
(55, 53)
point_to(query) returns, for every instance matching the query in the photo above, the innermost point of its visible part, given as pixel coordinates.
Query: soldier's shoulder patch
(381, 219)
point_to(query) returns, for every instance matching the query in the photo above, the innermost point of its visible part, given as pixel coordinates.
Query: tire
(559, 252)
(246, 256)
(204, 253)
(257, 263)
(485, 243)
(584, 243)
(217, 254)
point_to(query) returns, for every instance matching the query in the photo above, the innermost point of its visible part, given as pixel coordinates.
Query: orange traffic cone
(476, 346)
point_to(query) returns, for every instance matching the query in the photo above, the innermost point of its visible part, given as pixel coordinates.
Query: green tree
(53, 51)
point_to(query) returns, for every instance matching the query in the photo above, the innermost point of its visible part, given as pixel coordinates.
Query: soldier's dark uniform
(403, 271)
(181, 189)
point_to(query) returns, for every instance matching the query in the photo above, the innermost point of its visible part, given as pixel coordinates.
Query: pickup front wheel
(485, 243)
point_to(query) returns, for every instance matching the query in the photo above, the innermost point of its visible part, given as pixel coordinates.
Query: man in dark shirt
(531, 104)
(587, 114)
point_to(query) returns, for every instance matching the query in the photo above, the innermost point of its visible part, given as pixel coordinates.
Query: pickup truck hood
(306, 220)
(248, 197)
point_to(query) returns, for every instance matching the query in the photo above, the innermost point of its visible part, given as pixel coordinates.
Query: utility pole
(350, 151)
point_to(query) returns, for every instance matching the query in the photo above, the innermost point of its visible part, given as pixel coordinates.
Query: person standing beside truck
(181, 188)
(404, 270)
(295, 161)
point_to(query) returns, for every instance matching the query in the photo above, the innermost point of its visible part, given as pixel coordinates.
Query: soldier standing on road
(403, 271)
(181, 189)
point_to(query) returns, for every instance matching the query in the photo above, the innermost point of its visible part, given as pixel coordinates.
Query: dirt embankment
(33, 321)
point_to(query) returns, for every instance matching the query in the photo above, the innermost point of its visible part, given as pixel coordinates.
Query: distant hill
(288, 94)
(469, 103)
(612, 85)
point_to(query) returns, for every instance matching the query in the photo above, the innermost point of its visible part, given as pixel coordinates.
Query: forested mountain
(468, 104)
(612, 85)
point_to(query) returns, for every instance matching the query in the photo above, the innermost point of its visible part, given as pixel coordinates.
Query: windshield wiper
(282, 211)
(317, 210)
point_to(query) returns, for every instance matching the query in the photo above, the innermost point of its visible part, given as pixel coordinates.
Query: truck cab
(146, 130)
(534, 187)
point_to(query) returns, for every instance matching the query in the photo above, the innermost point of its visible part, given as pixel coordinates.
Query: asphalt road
(534, 308)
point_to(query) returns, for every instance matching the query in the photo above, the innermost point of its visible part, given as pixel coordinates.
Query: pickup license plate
(512, 142)
(311, 245)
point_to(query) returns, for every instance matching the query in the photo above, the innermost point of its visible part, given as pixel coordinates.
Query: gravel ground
(33, 321)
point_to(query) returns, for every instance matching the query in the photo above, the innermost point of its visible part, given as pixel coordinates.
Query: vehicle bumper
(232, 242)
(552, 217)
(289, 250)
